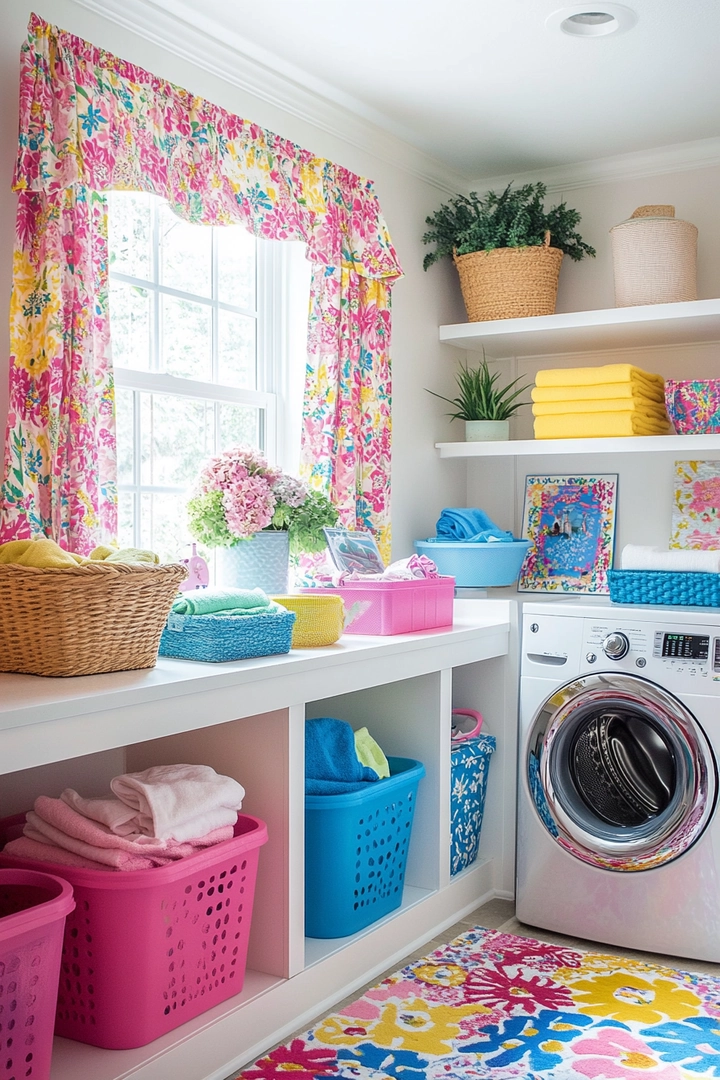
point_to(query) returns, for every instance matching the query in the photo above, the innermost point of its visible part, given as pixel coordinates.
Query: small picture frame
(354, 552)
(570, 521)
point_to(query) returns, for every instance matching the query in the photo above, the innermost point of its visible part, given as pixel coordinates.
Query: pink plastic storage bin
(397, 607)
(33, 908)
(147, 950)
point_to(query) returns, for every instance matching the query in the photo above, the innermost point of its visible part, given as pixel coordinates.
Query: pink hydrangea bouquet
(238, 493)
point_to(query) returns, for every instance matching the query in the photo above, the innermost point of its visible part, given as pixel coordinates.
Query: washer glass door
(620, 772)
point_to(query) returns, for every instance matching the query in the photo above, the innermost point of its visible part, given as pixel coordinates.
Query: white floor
(500, 915)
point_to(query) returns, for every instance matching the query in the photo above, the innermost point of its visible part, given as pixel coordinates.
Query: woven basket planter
(84, 620)
(654, 258)
(509, 283)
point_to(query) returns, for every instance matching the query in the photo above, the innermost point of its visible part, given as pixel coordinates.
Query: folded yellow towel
(41, 552)
(628, 390)
(596, 376)
(637, 406)
(598, 425)
(132, 555)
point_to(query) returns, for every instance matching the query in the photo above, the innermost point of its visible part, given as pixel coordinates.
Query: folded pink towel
(54, 822)
(117, 815)
(26, 848)
(177, 802)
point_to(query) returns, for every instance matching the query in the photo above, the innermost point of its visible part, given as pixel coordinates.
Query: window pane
(236, 266)
(238, 424)
(126, 519)
(185, 253)
(186, 338)
(236, 350)
(130, 325)
(130, 233)
(125, 442)
(176, 436)
(164, 525)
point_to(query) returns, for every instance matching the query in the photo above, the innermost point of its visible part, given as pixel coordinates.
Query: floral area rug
(499, 1006)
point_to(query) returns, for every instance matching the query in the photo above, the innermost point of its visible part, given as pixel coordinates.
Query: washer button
(640, 662)
(591, 657)
(534, 628)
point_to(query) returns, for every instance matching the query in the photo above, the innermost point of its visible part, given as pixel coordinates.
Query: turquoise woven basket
(218, 639)
(664, 587)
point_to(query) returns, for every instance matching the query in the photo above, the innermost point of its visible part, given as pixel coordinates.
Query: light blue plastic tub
(476, 566)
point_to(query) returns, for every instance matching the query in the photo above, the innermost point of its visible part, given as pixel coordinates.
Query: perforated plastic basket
(147, 950)
(33, 908)
(396, 607)
(356, 848)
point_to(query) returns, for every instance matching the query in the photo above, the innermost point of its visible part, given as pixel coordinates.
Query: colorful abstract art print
(696, 506)
(570, 522)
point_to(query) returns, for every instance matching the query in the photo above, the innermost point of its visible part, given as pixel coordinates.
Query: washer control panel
(659, 650)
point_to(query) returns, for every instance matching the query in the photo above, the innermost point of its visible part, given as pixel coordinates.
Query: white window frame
(275, 294)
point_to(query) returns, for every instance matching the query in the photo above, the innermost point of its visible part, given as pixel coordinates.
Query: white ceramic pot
(487, 430)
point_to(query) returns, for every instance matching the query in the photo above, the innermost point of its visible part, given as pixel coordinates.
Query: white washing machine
(618, 834)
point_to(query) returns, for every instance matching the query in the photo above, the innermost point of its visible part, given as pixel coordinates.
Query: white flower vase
(258, 563)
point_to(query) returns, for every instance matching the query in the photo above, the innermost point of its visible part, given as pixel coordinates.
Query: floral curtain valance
(89, 122)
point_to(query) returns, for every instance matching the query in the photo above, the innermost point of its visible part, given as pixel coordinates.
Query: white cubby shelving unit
(246, 719)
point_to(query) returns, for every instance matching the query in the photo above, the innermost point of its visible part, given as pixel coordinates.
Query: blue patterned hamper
(222, 638)
(470, 761)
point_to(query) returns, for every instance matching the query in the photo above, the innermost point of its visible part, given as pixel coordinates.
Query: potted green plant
(485, 407)
(507, 248)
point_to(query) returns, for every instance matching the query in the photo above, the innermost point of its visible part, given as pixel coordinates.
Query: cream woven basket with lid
(654, 258)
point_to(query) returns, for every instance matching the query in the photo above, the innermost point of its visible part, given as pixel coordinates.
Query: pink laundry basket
(33, 908)
(147, 950)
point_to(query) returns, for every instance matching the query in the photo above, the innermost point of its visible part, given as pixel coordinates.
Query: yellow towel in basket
(627, 391)
(596, 376)
(598, 425)
(42, 552)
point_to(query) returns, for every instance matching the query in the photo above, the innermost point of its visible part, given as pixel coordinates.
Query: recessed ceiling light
(584, 20)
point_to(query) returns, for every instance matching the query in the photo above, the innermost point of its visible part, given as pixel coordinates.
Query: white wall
(422, 485)
(645, 480)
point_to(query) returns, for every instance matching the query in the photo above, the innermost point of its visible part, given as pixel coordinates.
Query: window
(203, 330)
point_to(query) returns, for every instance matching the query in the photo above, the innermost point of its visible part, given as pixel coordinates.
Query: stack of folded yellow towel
(617, 399)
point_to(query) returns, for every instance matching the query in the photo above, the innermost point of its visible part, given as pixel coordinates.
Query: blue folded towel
(468, 524)
(331, 761)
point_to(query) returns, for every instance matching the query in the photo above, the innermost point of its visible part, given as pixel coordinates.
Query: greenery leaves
(480, 398)
(514, 218)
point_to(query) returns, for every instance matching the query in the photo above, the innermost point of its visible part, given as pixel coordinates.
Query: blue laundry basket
(356, 848)
(470, 763)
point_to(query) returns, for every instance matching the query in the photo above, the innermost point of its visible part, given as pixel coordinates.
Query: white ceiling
(484, 85)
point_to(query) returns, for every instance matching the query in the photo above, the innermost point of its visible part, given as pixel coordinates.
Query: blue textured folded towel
(331, 761)
(468, 524)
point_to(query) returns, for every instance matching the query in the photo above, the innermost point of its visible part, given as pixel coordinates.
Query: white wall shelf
(247, 720)
(685, 446)
(585, 331)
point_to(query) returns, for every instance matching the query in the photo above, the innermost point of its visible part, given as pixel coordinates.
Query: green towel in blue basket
(216, 601)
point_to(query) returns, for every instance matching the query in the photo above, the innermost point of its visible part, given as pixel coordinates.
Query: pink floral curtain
(90, 122)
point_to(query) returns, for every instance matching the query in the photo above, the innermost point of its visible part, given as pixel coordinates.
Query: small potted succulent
(507, 249)
(485, 407)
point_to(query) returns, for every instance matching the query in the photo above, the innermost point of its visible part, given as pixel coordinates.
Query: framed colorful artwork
(570, 521)
(696, 506)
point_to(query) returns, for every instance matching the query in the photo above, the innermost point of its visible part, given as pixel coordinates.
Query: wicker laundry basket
(654, 258)
(510, 283)
(86, 619)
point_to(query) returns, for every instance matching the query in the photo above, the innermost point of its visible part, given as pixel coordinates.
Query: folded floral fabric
(216, 601)
(639, 406)
(628, 390)
(178, 802)
(598, 425)
(640, 557)
(468, 523)
(26, 848)
(592, 376)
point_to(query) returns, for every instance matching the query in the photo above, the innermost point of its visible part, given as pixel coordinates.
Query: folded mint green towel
(216, 601)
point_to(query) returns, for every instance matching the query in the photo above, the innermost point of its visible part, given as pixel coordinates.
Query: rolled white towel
(637, 557)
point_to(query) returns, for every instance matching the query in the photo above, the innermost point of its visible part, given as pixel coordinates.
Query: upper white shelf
(687, 446)
(584, 331)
